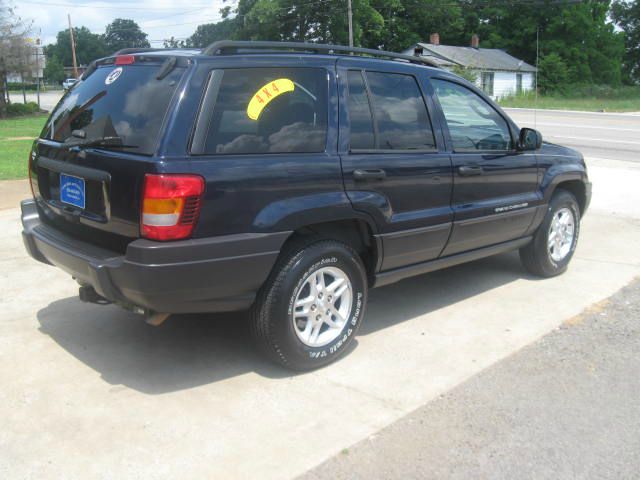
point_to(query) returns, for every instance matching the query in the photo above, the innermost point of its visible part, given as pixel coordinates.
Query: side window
(400, 120)
(361, 135)
(473, 123)
(264, 110)
(400, 112)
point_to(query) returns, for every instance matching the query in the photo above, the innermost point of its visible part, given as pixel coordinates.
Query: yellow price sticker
(266, 94)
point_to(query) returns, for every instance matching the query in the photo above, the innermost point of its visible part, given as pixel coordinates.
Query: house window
(487, 83)
(518, 83)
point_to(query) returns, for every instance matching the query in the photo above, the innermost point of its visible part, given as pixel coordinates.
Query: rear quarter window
(263, 110)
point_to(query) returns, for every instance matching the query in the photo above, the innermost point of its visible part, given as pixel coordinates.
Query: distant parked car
(68, 83)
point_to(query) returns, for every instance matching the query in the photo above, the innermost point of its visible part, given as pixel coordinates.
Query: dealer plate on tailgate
(72, 190)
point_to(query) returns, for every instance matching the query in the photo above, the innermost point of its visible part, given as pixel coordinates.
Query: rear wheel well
(353, 232)
(577, 189)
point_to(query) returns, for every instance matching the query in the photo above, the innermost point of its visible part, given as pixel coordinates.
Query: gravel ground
(567, 406)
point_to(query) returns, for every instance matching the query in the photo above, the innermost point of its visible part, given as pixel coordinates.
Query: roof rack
(218, 48)
(128, 51)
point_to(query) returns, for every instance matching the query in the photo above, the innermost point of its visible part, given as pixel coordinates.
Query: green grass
(586, 98)
(16, 137)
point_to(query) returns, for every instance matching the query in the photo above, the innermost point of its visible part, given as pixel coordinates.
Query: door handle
(469, 170)
(369, 174)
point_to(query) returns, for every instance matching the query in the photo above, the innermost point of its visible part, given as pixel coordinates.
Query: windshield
(128, 102)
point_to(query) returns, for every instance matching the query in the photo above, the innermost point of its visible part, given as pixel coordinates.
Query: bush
(17, 87)
(553, 74)
(467, 74)
(16, 109)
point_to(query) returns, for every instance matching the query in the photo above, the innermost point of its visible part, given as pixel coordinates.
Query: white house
(498, 73)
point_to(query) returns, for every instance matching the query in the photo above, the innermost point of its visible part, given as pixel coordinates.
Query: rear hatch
(88, 166)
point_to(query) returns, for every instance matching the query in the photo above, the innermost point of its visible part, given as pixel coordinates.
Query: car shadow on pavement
(192, 350)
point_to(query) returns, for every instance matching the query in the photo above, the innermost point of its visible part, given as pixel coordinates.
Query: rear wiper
(111, 142)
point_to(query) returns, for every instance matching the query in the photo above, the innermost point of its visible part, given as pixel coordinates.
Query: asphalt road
(565, 407)
(608, 136)
(596, 135)
(92, 392)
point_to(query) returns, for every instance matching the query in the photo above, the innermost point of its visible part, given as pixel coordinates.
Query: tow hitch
(88, 295)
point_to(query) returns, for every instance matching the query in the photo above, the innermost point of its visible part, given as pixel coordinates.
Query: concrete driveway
(92, 392)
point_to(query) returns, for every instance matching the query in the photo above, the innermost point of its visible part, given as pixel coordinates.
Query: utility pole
(350, 15)
(73, 48)
(38, 70)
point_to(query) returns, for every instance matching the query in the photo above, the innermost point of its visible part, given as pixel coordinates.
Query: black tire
(536, 256)
(272, 314)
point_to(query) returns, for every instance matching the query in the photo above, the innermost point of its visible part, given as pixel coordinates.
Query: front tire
(309, 310)
(555, 241)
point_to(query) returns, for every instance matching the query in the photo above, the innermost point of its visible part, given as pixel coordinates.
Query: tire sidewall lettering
(576, 219)
(337, 344)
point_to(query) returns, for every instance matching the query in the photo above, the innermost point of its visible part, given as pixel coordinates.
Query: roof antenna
(535, 103)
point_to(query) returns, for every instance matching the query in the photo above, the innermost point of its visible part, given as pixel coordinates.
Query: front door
(393, 167)
(495, 186)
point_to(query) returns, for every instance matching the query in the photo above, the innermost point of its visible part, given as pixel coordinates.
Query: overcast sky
(159, 18)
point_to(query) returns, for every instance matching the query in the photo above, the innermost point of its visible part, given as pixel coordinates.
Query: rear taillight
(170, 206)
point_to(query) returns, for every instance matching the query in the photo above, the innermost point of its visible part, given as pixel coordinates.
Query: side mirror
(530, 139)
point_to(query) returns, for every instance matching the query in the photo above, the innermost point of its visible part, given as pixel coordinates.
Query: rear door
(494, 185)
(89, 163)
(393, 159)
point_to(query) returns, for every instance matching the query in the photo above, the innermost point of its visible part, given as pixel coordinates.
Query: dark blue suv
(287, 179)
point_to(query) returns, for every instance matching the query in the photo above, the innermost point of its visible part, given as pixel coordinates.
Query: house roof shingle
(469, 57)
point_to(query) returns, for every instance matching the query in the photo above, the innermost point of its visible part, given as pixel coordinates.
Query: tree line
(121, 33)
(575, 41)
(580, 41)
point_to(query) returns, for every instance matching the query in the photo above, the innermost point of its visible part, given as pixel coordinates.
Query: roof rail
(127, 51)
(218, 48)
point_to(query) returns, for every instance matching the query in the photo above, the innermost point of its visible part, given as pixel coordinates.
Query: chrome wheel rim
(561, 233)
(322, 306)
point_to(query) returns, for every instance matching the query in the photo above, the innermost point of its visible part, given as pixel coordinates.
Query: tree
(89, 46)
(578, 33)
(406, 22)
(173, 43)
(466, 73)
(212, 32)
(54, 70)
(124, 33)
(15, 49)
(553, 73)
(626, 14)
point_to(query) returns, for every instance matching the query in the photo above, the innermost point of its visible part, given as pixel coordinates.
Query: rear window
(127, 101)
(263, 110)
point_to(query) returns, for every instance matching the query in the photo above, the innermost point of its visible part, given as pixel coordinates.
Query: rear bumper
(199, 275)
